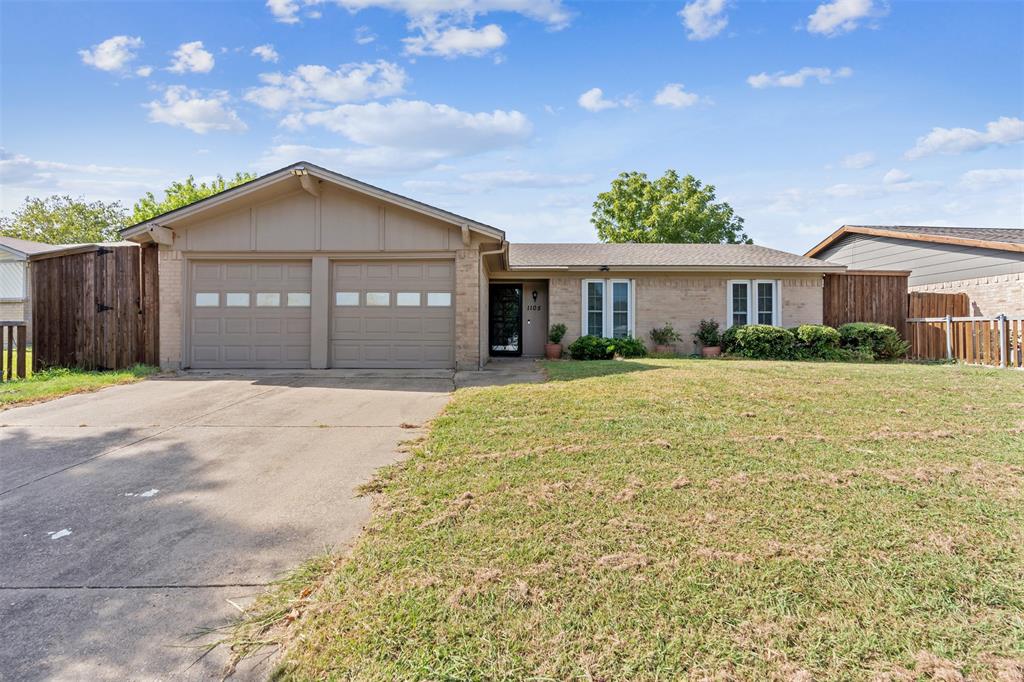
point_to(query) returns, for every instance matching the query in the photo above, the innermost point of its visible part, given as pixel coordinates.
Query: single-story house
(307, 268)
(985, 263)
(15, 287)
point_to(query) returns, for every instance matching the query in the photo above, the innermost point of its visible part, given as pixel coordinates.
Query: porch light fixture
(604, 268)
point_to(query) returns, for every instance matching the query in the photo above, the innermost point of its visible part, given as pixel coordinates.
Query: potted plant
(709, 339)
(663, 338)
(553, 349)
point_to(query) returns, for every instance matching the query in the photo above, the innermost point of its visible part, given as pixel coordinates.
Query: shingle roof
(27, 247)
(1009, 235)
(670, 256)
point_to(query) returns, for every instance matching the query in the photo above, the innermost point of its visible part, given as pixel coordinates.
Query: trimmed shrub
(591, 348)
(765, 342)
(628, 347)
(818, 340)
(707, 334)
(556, 332)
(880, 340)
(728, 340)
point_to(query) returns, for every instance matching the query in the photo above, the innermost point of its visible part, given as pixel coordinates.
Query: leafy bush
(766, 342)
(591, 348)
(817, 340)
(729, 344)
(597, 348)
(556, 332)
(664, 336)
(880, 340)
(707, 334)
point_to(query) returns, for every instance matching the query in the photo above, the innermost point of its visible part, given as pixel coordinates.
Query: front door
(506, 319)
(535, 318)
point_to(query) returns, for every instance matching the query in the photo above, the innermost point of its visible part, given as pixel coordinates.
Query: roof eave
(832, 267)
(912, 236)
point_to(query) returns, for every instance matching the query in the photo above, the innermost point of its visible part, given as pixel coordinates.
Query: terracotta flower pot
(664, 350)
(552, 351)
(711, 351)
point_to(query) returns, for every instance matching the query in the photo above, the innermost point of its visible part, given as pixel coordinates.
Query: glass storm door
(506, 319)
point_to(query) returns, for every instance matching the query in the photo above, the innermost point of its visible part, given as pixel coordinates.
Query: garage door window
(237, 300)
(268, 300)
(346, 298)
(207, 300)
(378, 298)
(407, 298)
(298, 299)
(439, 299)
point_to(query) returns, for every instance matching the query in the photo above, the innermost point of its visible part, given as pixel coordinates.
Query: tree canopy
(61, 219)
(669, 209)
(180, 194)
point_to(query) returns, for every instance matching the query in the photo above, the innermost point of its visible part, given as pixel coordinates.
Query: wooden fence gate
(996, 341)
(866, 296)
(95, 307)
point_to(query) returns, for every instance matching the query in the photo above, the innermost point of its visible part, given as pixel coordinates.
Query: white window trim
(606, 307)
(752, 300)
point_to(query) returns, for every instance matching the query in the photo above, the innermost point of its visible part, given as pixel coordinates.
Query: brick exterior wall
(989, 296)
(467, 309)
(171, 266)
(12, 310)
(683, 301)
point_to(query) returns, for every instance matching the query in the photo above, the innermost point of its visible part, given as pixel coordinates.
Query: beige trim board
(912, 236)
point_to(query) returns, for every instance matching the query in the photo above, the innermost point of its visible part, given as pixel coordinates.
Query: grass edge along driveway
(666, 519)
(55, 383)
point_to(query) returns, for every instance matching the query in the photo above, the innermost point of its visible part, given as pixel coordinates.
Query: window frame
(608, 305)
(752, 301)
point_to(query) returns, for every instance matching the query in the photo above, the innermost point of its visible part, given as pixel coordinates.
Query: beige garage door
(249, 314)
(393, 314)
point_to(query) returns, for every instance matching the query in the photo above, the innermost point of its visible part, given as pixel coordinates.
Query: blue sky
(804, 115)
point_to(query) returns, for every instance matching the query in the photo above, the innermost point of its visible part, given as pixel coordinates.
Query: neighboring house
(306, 268)
(15, 289)
(985, 263)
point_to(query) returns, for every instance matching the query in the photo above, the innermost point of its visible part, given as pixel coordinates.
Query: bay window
(755, 301)
(608, 308)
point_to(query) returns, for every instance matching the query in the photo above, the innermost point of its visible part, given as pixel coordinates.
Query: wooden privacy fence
(996, 341)
(13, 346)
(930, 304)
(866, 296)
(95, 307)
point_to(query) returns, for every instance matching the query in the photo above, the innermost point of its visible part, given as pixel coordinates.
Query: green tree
(61, 219)
(670, 210)
(182, 194)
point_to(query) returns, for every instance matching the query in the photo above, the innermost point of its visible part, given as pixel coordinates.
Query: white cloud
(843, 16)
(550, 12)
(673, 95)
(312, 85)
(704, 18)
(1000, 132)
(594, 100)
(859, 160)
(113, 54)
(284, 11)
(351, 160)
(984, 178)
(780, 79)
(895, 176)
(144, 71)
(191, 57)
(449, 41)
(182, 107)
(485, 181)
(265, 52)
(364, 36)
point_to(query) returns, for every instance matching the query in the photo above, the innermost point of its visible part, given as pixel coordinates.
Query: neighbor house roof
(1001, 238)
(659, 257)
(25, 248)
(304, 167)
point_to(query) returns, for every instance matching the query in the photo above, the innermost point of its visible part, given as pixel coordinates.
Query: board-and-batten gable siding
(339, 221)
(928, 262)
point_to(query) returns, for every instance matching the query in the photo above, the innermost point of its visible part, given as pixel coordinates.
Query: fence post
(1001, 319)
(949, 337)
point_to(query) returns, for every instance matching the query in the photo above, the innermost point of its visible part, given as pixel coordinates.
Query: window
(12, 280)
(239, 300)
(207, 300)
(407, 298)
(378, 298)
(754, 302)
(346, 298)
(268, 300)
(298, 299)
(439, 299)
(604, 315)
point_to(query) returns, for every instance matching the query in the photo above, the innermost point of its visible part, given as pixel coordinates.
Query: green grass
(14, 358)
(54, 383)
(665, 519)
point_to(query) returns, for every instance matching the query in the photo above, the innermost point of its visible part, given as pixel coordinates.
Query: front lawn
(54, 383)
(663, 519)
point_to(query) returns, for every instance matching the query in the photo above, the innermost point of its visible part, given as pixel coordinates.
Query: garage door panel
(441, 272)
(408, 326)
(258, 330)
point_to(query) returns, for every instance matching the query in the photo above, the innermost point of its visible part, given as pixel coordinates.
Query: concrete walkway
(135, 516)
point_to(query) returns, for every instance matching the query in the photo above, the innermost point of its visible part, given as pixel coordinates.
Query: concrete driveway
(130, 517)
